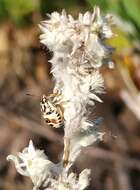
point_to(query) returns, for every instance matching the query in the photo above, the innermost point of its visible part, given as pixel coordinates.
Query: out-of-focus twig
(30, 125)
(112, 156)
(132, 102)
(122, 177)
(128, 80)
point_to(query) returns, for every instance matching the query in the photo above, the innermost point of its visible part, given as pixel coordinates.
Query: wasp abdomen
(51, 113)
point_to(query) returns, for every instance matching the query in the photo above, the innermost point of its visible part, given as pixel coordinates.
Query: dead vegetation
(24, 69)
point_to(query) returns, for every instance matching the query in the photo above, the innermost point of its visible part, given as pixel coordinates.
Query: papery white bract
(34, 164)
(71, 181)
(83, 139)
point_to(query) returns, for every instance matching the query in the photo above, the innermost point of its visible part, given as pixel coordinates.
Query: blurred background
(24, 69)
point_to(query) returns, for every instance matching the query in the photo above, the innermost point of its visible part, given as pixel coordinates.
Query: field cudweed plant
(79, 51)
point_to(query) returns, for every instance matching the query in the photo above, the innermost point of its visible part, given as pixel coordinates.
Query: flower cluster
(35, 164)
(45, 174)
(79, 50)
(71, 182)
(79, 41)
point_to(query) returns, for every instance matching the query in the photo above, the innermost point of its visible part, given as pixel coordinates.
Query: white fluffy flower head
(32, 163)
(81, 39)
(71, 181)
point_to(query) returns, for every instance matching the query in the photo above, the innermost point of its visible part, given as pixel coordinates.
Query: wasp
(52, 111)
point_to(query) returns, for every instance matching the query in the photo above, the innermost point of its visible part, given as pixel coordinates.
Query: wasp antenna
(28, 94)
